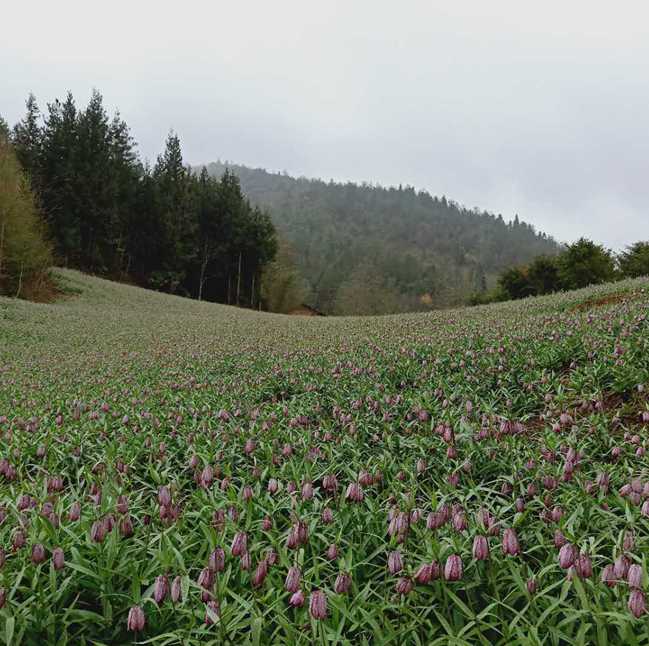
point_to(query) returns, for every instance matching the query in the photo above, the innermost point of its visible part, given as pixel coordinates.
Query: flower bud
(403, 586)
(567, 556)
(160, 589)
(58, 558)
(453, 568)
(424, 574)
(608, 576)
(510, 542)
(480, 548)
(216, 560)
(637, 604)
(239, 544)
(318, 605)
(136, 619)
(634, 576)
(395, 562)
(343, 583)
(38, 553)
(292, 583)
(260, 573)
(297, 599)
(176, 590)
(584, 566)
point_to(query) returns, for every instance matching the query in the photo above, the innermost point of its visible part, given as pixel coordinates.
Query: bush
(24, 254)
(585, 263)
(543, 275)
(515, 282)
(634, 262)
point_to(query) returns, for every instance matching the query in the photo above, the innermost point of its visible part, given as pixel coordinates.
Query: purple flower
(480, 548)
(260, 573)
(634, 576)
(216, 560)
(354, 492)
(176, 590)
(343, 583)
(318, 605)
(160, 589)
(297, 599)
(395, 562)
(239, 544)
(403, 585)
(58, 558)
(608, 576)
(637, 604)
(136, 619)
(292, 583)
(567, 556)
(38, 553)
(510, 542)
(453, 568)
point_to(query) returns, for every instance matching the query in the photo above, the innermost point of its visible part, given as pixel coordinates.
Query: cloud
(513, 107)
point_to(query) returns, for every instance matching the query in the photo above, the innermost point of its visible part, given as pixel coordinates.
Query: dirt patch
(591, 303)
(42, 289)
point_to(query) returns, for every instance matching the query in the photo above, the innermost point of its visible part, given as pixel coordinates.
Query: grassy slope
(151, 354)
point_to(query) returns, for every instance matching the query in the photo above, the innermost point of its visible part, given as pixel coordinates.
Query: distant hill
(369, 249)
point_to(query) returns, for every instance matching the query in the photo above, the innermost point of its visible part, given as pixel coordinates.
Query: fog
(539, 110)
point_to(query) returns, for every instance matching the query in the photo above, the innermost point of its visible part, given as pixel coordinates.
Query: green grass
(121, 391)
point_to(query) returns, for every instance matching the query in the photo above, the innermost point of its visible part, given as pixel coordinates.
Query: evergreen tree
(59, 178)
(4, 129)
(178, 226)
(93, 191)
(27, 139)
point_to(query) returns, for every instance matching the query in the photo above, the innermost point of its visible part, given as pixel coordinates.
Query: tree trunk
(20, 279)
(239, 279)
(228, 295)
(252, 292)
(201, 280)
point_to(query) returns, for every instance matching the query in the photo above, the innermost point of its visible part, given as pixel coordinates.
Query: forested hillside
(110, 213)
(369, 249)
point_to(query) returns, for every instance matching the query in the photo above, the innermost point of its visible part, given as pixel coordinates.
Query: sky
(540, 109)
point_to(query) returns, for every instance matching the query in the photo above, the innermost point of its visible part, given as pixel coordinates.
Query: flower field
(176, 472)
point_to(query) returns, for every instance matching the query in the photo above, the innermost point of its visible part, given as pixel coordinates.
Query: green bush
(24, 253)
(634, 262)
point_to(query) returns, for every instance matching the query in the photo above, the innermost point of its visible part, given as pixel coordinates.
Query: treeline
(366, 249)
(164, 227)
(581, 264)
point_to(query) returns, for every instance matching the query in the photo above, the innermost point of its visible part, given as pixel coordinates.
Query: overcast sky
(540, 109)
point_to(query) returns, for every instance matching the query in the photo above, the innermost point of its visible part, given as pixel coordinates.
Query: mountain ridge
(405, 248)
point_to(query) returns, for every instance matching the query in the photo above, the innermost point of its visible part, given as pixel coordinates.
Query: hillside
(196, 473)
(369, 249)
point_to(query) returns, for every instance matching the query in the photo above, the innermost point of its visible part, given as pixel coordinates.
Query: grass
(521, 410)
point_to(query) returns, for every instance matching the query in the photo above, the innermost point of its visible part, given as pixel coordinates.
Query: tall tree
(59, 178)
(24, 252)
(27, 139)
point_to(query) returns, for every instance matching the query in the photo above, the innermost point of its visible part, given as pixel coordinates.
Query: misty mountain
(363, 248)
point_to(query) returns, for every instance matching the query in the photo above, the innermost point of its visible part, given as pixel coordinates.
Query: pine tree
(27, 140)
(59, 178)
(178, 226)
(4, 129)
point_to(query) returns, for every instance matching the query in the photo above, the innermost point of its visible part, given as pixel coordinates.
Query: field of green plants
(176, 472)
